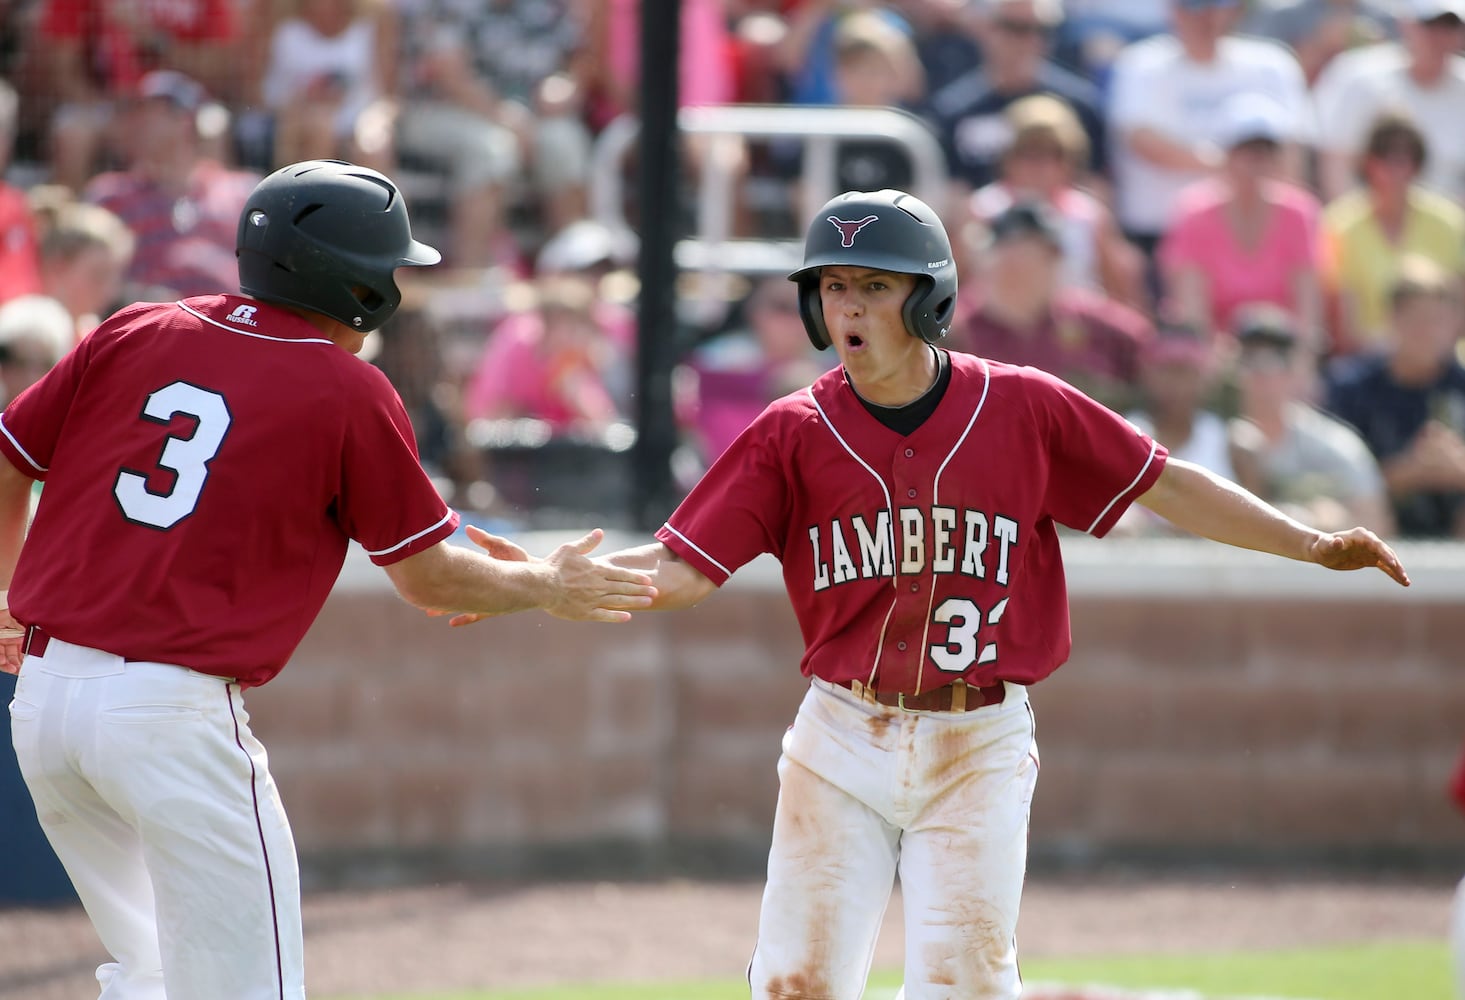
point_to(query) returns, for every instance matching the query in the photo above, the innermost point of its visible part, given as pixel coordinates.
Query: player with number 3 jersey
(206, 463)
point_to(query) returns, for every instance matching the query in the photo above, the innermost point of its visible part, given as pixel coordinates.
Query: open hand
(595, 591)
(589, 590)
(1357, 548)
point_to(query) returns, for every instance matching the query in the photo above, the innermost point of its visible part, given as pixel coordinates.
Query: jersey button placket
(911, 492)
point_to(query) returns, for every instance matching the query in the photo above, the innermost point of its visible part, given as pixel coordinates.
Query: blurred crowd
(1242, 224)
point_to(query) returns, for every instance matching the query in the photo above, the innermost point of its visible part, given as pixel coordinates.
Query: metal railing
(713, 249)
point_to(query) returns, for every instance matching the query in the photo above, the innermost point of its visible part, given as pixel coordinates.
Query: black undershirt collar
(905, 419)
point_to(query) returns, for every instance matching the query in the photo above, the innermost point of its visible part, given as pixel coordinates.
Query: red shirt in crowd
(1085, 339)
(121, 40)
(20, 272)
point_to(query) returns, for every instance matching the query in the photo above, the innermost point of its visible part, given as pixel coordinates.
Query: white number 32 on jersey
(187, 458)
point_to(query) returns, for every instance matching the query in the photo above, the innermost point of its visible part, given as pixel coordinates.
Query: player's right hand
(593, 591)
(12, 638)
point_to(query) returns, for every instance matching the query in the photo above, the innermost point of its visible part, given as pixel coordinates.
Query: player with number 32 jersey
(916, 560)
(913, 497)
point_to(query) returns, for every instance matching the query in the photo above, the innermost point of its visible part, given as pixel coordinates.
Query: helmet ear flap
(811, 311)
(926, 317)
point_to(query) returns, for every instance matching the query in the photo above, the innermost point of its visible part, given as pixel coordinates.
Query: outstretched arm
(568, 583)
(1201, 502)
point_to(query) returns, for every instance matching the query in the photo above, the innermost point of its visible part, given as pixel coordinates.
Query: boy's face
(867, 78)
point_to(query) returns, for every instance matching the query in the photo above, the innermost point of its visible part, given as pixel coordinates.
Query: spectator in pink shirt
(551, 363)
(707, 67)
(19, 257)
(1245, 236)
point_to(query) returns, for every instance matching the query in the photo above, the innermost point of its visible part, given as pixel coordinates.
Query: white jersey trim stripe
(986, 385)
(23, 453)
(890, 506)
(936, 499)
(256, 336)
(863, 464)
(412, 538)
(1120, 495)
(699, 550)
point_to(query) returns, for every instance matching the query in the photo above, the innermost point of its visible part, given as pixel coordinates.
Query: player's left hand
(1357, 548)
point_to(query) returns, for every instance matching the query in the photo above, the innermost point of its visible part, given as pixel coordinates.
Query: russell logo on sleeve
(244, 315)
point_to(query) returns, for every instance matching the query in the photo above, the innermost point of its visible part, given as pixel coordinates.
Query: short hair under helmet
(887, 231)
(313, 233)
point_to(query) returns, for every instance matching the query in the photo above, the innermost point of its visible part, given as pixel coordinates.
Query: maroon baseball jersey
(917, 560)
(206, 462)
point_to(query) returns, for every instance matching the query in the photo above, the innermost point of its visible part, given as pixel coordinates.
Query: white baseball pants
(1457, 940)
(868, 791)
(159, 802)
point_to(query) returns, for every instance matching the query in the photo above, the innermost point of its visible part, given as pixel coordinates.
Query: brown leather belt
(36, 641)
(958, 696)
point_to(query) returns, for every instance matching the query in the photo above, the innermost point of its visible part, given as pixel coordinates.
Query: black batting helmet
(326, 235)
(889, 231)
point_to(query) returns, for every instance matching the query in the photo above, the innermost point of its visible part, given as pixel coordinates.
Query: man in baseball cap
(181, 90)
(1026, 314)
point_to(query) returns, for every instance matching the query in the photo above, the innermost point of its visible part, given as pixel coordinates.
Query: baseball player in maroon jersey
(913, 497)
(206, 463)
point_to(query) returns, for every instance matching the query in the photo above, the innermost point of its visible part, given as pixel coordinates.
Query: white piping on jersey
(699, 550)
(936, 499)
(412, 538)
(1138, 476)
(23, 453)
(880, 647)
(256, 336)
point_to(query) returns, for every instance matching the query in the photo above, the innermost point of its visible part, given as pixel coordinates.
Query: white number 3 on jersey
(188, 458)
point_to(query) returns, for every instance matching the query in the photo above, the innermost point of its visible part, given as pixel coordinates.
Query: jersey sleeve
(738, 510)
(31, 424)
(386, 501)
(1098, 462)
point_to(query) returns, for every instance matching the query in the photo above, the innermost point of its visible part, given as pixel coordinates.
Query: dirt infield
(462, 937)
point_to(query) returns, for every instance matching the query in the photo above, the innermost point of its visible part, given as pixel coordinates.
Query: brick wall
(1217, 704)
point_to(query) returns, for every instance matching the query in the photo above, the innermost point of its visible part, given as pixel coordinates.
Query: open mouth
(854, 341)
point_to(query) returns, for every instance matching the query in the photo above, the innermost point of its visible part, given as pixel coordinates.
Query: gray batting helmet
(315, 234)
(889, 231)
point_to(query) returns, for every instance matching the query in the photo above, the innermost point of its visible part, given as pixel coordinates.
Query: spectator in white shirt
(1166, 94)
(1422, 75)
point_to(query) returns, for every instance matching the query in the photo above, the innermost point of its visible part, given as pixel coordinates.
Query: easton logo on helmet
(848, 229)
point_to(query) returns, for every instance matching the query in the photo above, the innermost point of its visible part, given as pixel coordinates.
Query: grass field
(1401, 971)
